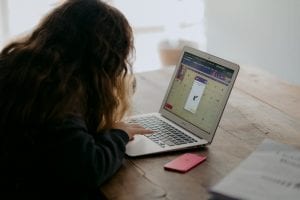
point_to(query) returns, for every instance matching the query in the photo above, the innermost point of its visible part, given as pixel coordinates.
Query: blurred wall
(260, 33)
(3, 21)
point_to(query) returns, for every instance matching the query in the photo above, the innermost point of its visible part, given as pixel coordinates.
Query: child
(64, 90)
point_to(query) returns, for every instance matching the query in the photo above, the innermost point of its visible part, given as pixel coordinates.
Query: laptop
(192, 107)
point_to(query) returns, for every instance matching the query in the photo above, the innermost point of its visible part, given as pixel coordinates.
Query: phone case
(184, 162)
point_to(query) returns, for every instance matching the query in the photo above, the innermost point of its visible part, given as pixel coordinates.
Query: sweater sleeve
(111, 149)
(77, 158)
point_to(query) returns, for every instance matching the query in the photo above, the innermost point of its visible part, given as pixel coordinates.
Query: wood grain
(270, 89)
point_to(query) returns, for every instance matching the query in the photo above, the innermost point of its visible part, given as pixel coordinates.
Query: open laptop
(192, 106)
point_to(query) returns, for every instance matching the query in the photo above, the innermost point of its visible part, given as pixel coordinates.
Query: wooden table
(260, 106)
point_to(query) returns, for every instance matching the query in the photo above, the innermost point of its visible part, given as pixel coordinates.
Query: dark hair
(75, 62)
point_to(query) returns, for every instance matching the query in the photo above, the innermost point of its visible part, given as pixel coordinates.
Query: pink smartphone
(184, 162)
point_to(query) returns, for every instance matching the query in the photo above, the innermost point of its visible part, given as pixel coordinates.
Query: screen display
(198, 91)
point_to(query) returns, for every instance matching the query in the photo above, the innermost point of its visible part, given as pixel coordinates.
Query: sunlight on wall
(156, 23)
(168, 24)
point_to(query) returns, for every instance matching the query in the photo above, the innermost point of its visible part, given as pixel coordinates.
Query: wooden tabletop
(260, 106)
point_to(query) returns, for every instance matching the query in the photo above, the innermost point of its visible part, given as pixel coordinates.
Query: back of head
(75, 62)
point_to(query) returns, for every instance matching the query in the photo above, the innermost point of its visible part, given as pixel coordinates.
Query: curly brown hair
(75, 62)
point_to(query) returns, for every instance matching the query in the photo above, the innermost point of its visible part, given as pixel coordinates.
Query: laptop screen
(198, 91)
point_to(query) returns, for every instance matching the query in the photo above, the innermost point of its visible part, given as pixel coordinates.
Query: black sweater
(64, 161)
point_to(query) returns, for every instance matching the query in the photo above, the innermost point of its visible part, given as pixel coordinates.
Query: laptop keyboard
(164, 134)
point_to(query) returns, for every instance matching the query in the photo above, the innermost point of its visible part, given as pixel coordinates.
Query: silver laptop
(192, 106)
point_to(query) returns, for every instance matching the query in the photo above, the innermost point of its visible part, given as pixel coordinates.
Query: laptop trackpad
(141, 145)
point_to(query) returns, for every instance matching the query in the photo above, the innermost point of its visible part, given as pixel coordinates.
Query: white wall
(18, 16)
(24, 15)
(261, 33)
(3, 21)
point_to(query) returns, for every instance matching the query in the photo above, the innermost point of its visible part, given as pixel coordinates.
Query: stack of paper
(272, 171)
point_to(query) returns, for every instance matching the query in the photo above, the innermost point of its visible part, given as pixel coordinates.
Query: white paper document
(272, 171)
